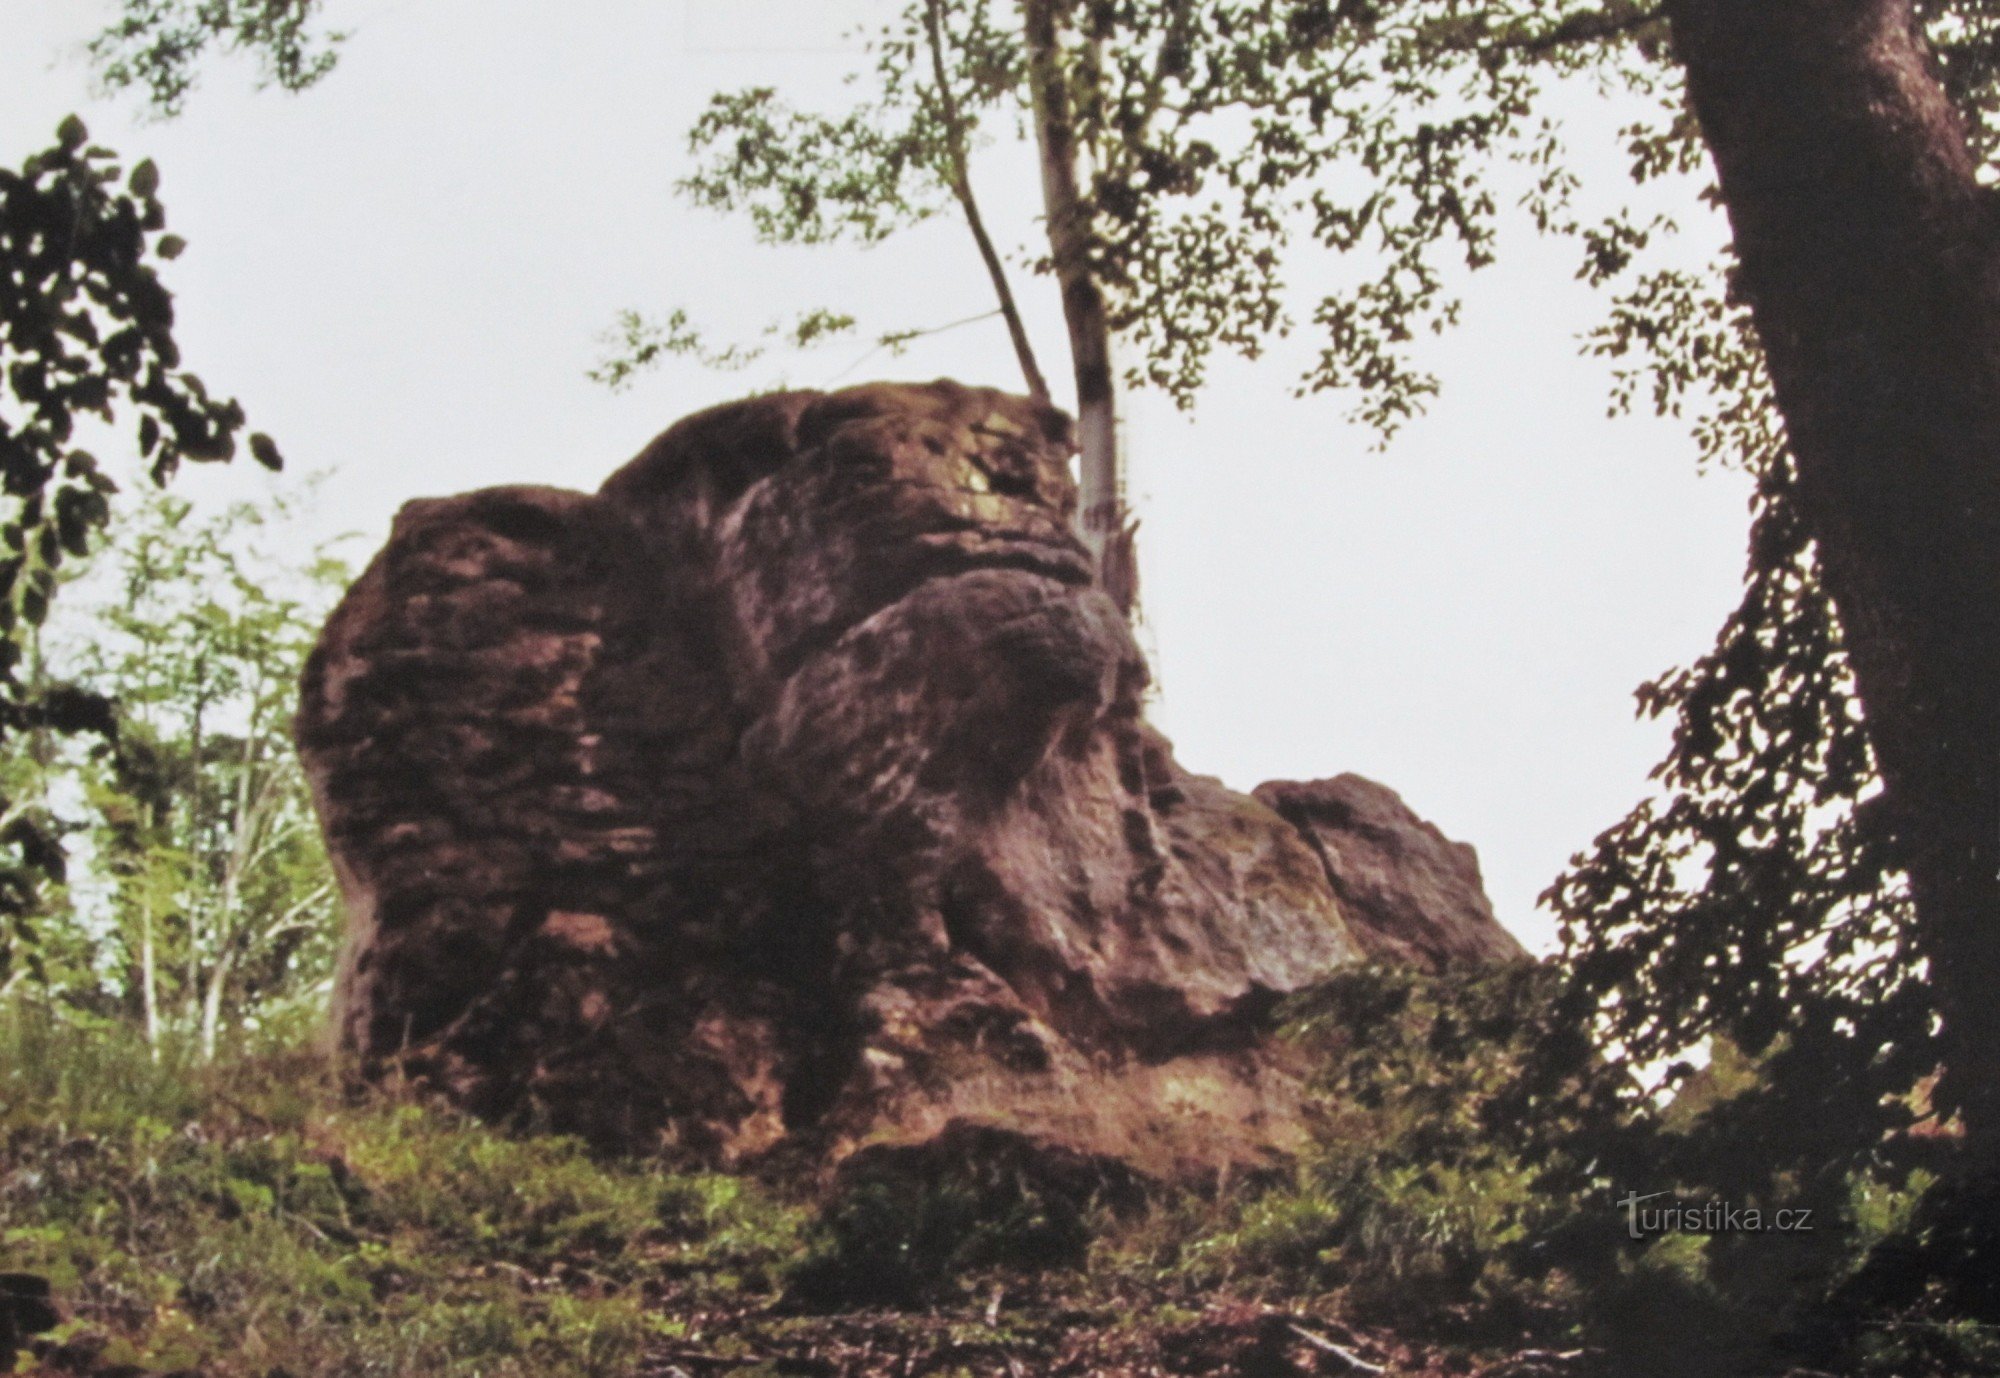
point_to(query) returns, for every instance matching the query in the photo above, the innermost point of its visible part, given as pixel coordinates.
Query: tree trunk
(211, 1003)
(1101, 522)
(149, 995)
(960, 177)
(1868, 255)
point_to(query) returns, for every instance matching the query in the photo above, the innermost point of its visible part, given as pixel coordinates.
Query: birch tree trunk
(211, 1003)
(1102, 519)
(1869, 255)
(149, 995)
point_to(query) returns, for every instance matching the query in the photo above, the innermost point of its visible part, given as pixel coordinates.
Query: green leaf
(265, 451)
(170, 246)
(73, 520)
(71, 134)
(145, 180)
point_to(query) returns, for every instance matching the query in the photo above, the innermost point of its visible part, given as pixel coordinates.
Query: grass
(253, 1218)
(257, 1219)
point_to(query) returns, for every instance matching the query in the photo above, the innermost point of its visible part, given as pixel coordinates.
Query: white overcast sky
(402, 274)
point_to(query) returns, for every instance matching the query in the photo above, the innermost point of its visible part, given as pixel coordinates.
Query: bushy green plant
(1462, 1185)
(204, 892)
(905, 1225)
(1422, 1208)
(1413, 1204)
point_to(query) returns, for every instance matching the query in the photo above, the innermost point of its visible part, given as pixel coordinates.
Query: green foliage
(528, 1201)
(908, 1225)
(86, 330)
(1755, 904)
(1218, 135)
(205, 901)
(1941, 1347)
(1419, 1202)
(157, 45)
(1226, 140)
(806, 179)
(636, 342)
(1457, 1190)
(248, 1216)
(83, 1081)
(1754, 900)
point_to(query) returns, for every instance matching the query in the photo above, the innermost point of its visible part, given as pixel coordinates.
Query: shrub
(903, 1224)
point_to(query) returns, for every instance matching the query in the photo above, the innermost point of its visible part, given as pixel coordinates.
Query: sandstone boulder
(792, 793)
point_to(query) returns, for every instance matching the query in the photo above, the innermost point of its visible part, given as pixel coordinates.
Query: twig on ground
(1341, 1352)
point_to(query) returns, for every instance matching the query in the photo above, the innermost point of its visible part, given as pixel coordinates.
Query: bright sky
(403, 272)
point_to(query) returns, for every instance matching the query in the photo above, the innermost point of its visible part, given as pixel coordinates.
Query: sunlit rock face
(790, 793)
(1410, 894)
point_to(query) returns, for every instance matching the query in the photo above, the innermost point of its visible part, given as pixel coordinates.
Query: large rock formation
(792, 790)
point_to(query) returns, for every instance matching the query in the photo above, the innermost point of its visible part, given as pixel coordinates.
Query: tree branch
(1588, 26)
(961, 188)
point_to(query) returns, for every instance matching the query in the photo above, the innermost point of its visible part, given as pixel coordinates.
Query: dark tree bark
(1870, 259)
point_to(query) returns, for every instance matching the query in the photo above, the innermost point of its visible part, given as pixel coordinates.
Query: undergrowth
(1437, 1203)
(256, 1218)
(252, 1218)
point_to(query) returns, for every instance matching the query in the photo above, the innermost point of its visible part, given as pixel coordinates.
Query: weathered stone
(1408, 893)
(792, 791)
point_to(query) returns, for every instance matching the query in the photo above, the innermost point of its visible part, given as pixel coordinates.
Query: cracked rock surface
(792, 793)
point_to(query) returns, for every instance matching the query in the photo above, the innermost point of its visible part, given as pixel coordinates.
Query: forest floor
(259, 1220)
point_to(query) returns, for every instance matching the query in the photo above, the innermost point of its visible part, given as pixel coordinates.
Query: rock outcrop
(792, 792)
(1409, 893)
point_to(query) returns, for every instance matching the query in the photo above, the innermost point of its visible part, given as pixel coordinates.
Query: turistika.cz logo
(1675, 1216)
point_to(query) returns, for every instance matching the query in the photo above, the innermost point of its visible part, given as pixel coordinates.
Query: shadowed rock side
(792, 791)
